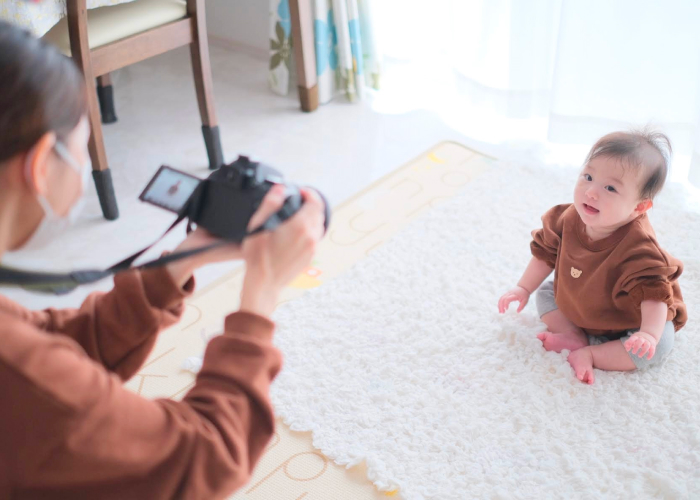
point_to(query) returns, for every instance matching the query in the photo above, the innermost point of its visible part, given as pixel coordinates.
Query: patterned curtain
(347, 59)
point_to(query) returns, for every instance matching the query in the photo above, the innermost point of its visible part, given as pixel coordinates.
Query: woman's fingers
(271, 203)
(312, 200)
(312, 212)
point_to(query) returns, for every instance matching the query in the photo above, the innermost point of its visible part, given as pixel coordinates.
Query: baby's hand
(643, 342)
(518, 293)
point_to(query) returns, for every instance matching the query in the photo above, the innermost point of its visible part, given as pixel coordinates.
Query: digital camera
(224, 202)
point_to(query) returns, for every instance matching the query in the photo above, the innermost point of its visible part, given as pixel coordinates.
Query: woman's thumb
(271, 203)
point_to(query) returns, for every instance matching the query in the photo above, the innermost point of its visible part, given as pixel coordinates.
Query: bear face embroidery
(575, 272)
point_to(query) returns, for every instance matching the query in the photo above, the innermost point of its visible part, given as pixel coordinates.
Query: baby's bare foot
(581, 361)
(557, 342)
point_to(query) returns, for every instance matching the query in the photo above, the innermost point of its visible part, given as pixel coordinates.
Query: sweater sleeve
(648, 273)
(650, 280)
(545, 242)
(117, 329)
(99, 440)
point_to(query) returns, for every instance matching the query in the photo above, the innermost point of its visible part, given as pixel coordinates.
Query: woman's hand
(275, 258)
(641, 343)
(181, 270)
(518, 293)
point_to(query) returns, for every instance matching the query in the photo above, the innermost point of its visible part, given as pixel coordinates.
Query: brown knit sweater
(70, 430)
(600, 285)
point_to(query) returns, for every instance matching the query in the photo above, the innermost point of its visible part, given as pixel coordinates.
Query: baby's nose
(592, 194)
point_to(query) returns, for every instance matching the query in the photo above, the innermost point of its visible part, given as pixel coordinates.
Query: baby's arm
(544, 247)
(535, 273)
(644, 341)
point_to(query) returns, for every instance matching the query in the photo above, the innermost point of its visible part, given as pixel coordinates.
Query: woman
(69, 428)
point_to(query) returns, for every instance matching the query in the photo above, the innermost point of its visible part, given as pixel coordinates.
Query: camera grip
(291, 205)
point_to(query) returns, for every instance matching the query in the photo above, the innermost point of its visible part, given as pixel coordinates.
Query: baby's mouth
(589, 209)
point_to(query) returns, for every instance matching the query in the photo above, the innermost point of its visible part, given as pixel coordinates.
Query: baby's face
(607, 194)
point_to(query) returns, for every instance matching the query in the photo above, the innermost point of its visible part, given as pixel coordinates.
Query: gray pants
(546, 304)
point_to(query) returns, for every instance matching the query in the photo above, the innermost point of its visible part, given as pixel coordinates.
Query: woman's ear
(37, 163)
(643, 206)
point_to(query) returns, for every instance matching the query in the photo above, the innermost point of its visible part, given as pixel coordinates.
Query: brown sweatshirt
(69, 429)
(600, 285)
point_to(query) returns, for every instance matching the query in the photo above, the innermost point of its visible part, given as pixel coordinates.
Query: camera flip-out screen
(170, 189)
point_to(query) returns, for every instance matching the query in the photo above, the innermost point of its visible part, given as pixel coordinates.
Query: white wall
(244, 23)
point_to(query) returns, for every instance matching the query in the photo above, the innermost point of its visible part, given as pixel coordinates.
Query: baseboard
(227, 43)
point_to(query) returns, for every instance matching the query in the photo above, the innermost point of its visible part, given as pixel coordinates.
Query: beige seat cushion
(109, 24)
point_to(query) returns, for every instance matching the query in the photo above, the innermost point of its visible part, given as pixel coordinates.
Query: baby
(615, 302)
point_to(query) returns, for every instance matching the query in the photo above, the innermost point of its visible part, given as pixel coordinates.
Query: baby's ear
(643, 206)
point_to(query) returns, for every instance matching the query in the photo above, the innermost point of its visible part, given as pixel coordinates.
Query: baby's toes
(582, 364)
(585, 375)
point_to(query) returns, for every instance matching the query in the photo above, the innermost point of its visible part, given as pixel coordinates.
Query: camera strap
(62, 283)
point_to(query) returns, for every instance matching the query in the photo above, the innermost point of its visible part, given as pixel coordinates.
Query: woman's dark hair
(41, 90)
(646, 150)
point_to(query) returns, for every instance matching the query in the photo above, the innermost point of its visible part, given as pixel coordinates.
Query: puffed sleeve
(546, 241)
(650, 278)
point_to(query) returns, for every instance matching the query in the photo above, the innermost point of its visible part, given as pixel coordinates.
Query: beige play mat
(292, 469)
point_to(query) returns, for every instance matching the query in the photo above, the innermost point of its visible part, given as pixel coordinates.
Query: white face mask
(51, 224)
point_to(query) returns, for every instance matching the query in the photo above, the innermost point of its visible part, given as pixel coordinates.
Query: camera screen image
(170, 189)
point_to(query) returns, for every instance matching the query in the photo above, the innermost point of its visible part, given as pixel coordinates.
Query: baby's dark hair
(41, 91)
(647, 150)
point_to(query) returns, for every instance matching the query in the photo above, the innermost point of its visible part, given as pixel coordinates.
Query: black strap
(62, 283)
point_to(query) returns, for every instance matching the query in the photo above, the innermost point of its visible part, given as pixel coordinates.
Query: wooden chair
(301, 12)
(105, 39)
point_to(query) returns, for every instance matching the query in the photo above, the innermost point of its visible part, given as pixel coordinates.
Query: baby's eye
(611, 189)
(587, 177)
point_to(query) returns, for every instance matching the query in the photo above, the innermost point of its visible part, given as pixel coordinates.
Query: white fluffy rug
(405, 363)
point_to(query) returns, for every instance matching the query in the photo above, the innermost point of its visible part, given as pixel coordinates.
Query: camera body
(224, 202)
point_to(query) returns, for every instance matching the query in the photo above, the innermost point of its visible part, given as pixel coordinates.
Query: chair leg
(201, 67)
(101, 173)
(105, 94)
(105, 193)
(304, 52)
(100, 168)
(77, 31)
(212, 141)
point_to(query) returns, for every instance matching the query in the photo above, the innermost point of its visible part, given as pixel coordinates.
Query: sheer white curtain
(548, 72)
